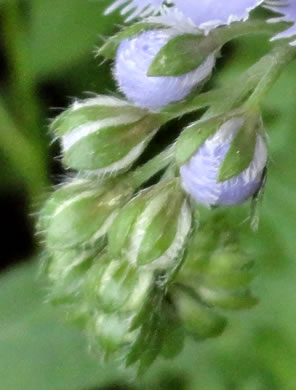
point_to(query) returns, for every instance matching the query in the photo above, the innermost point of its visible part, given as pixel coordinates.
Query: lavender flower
(205, 14)
(288, 10)
(200, 174)
(208, 14)
(133, 59)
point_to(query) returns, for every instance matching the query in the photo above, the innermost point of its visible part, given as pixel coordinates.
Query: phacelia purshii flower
(133, 60)
(201, 175)
(288, 11)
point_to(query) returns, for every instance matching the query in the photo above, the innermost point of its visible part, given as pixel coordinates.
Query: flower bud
(237, 299)
(134, 57)
(80, 212)
(103, 134)
(67, 270)
(216, 269)
(117, 287)
(227, 168)
(228, 268)
(135, 8)
(153, 227)
(111, 332)
(200, 321)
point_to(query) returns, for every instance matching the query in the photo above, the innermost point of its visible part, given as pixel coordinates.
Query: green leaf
(182, 54)
(240, 153)
(108, 50)
(62, 35)
(44, 352)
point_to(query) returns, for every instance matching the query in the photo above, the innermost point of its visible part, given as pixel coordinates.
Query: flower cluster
(142, 255)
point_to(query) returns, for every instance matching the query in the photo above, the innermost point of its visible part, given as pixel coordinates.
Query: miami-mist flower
(227, 168)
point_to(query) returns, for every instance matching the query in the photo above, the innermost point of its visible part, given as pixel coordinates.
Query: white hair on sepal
(133, 9)
(122, 165)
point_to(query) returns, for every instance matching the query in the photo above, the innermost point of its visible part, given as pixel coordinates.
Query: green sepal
(241, 151)
(198, 320)
(174, 335)
(123, 224)
(228, 299)
(110, 332)
(71, 119)
(193, 137)
(110, 145)
(75, 214)
(66, 272)
(228, 269)
(162, 230)
(147, 226)
(182, 54)
(108, 50)
(116, 287)
(159, 331)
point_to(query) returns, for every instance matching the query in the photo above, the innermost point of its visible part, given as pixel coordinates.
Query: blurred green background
(46, 59)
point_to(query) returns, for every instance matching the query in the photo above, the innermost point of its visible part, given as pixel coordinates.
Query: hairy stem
(152, 167)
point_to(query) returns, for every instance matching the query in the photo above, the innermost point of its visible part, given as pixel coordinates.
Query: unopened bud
(117, 287)
(103, 134)
(66, 272)
(227, 167)
(137, 68)
(200, 321)
(153, 227)
(237, 299)
(111, 332)
(80, 212)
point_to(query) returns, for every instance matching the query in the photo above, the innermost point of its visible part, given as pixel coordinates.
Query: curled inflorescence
(142, 255)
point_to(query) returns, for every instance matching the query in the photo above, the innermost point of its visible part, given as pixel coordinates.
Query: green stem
(258, 78)
(152, 167)
(272, 68)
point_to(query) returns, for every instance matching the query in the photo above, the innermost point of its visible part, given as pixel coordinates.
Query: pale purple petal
(133, 59)
(288, 9)
(208, 14)
(200, 174)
